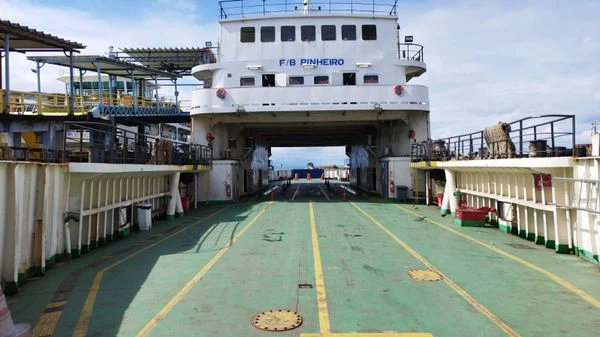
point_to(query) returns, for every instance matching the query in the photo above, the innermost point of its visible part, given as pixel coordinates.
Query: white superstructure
(306, 75)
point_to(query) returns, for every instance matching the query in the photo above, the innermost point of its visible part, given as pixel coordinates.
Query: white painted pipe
(348, 189)
(271, 189)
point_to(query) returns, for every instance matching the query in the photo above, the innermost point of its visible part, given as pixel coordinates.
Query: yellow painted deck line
(86, 313)
(487, 313)
(324, 324)
(181, 293)
(367, 334)
(566, 284)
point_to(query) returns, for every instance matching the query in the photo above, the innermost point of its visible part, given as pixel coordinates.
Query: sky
(487, 61)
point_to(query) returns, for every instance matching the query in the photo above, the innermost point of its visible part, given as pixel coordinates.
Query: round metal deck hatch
(424, 275)
(277, 320)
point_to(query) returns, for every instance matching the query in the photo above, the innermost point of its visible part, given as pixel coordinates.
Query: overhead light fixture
(308, 66)
(363, 64)
(255, 67)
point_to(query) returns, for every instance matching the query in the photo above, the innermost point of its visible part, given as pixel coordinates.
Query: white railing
(310, 98)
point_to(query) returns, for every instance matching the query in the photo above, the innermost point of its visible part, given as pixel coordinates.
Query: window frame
(289, 81)
(344, 78)
(323, 27)
(354, 32)
(248, 32)
(261, 33)
(248, 77)
(293, 33)
(372, 75)
(314, 32)
(315, 80)
(364, 32)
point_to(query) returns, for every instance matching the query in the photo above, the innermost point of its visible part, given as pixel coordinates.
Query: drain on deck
(277, 320)
(305, 285)
(425, 275)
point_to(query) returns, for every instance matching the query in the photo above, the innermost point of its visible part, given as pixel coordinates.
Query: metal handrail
(242, 8)
(410, 51)
(552, 130)
(33, 103)
(97, 142)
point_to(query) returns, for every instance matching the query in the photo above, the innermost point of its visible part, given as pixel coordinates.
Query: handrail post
(481, 150)
(573, 133)
(521, 137)
(552, 138)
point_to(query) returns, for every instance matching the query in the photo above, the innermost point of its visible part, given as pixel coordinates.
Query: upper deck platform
(236, 9)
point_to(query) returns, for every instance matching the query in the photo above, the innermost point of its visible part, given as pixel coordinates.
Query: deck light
(255, 67)
(408, 39)
(208, 44)
(363, 64)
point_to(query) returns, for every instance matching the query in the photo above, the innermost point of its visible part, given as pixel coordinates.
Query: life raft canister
(221, 93)
(398, 89)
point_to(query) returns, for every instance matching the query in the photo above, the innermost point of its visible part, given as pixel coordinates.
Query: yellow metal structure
(277, 320)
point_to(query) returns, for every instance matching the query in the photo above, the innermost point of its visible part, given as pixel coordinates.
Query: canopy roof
(25, 39)
(175, 60)
(108, 65)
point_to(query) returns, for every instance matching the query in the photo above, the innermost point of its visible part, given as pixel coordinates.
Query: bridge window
(268, 80)
(267, 34)
(247, 81)
(348, 32)
(247, 34)
(371, 79)
(321, 80)
(369, 32)
(308, 33)
(288, 33)
(296, 80)
(328, 33)
(349, 79)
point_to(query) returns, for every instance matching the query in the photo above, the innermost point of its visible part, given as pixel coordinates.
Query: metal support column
(6, 107)
(156, 90)
(110, 90)
(37, 72)
(176, 95)
(100, 89)
(72, 89)
(80, 82)
(133, 89)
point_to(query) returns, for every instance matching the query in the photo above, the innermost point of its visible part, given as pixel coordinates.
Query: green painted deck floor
(209, 274)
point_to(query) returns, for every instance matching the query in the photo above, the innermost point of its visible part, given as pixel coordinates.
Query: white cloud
(161, 26)
(504, 60)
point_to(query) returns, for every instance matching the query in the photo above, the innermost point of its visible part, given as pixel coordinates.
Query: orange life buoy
(221, 93)
(398, 89)
(392, 186)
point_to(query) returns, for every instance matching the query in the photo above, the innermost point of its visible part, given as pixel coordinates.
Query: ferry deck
(254, 257)
(354, 267)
